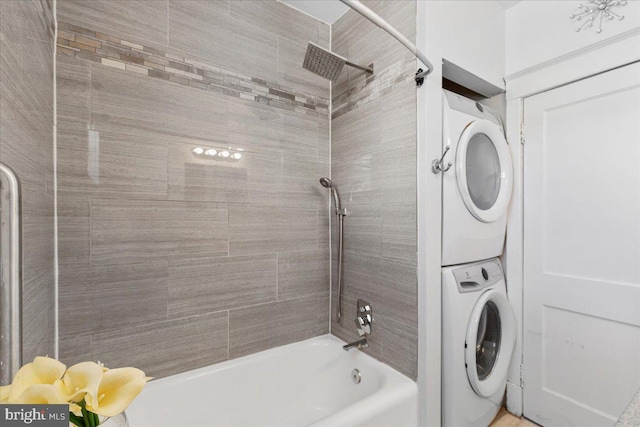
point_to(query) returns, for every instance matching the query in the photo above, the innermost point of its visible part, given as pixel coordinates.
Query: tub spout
(362, 343)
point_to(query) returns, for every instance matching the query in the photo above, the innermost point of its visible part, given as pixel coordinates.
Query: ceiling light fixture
(597, 10)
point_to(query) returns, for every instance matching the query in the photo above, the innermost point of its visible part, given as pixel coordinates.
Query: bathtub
(303, 384)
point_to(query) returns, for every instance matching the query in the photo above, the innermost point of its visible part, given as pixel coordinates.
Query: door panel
(582, 250)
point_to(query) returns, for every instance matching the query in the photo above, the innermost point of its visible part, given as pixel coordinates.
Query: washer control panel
(478, 276)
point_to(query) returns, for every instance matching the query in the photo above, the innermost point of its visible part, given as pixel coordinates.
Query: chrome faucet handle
(364, 326)
(364, 317)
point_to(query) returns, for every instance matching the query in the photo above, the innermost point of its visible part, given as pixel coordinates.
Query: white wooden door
(582, 250)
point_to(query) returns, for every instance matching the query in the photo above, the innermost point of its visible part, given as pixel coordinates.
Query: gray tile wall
(26, 145)
(170, 261)
(373, 162)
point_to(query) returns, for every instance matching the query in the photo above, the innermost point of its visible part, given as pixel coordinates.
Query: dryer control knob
(485, 274)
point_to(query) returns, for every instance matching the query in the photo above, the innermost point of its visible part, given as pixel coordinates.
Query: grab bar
(10, 275)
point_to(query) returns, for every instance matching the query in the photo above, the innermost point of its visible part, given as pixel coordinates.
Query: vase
(119, 420)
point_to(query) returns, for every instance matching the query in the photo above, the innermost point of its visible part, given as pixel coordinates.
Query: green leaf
(96, 418)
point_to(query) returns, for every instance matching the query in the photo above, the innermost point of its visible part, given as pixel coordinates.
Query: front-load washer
(478, 337)
(477, 188)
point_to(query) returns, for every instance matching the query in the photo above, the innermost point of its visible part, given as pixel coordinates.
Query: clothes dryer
(477, 188)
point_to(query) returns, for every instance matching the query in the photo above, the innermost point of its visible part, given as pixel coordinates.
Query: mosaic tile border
(374, 87)
(111, 51)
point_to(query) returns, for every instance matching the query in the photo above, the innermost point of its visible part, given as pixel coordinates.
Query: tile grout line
(228, 334)
(56, 266)
(90, 228)
(168, 11)
(90, 96)
(329, 196)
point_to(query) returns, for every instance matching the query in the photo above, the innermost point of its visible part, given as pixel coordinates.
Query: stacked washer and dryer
(478, 324)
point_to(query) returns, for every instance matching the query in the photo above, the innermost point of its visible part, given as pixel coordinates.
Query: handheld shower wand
(327, 183)
(340, 213)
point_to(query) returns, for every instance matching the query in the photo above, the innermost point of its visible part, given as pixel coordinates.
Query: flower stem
(89, 421)
(76, 419)
(89, 417)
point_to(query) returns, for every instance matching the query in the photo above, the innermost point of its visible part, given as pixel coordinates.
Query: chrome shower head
(327, 183)
(320, 61)
(327, 64)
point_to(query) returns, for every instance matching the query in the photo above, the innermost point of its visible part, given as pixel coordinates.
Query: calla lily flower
(40, 394)
(43, 370)
(79, 380)
(117, 390)
(4, 393)
(76, 409)
(86, 386)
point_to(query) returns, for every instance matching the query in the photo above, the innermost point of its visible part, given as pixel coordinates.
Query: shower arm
(376, 19)
(359, 67)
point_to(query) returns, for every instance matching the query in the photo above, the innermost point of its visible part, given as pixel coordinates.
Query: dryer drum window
(483, 171)
(488, 340)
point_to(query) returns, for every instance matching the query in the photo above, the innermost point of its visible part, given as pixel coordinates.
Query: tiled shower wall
(26, 146)
(169, 259)
(373, 162)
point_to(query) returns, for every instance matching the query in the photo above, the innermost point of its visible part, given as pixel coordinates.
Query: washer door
(491, 336)
(483, 170)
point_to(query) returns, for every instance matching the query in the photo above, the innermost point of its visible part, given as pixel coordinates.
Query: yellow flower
(46, 394)
(79, 380)
(117, 390)
(4, 393)
(75, 408)
(43, 370)
(41, 394)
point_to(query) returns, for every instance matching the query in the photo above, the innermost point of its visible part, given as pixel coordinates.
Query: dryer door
(483, 170)
(491, 336)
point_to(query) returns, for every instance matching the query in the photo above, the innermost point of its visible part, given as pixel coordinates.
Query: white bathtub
(303, 384)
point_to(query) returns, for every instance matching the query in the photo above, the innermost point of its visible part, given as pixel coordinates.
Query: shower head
(322, 62)
(327, 64)
(327, 183)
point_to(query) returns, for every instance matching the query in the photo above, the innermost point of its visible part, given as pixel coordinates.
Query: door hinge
(521, 375)
(522, 133)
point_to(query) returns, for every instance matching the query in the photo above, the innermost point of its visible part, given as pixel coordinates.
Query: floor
(505, 419)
